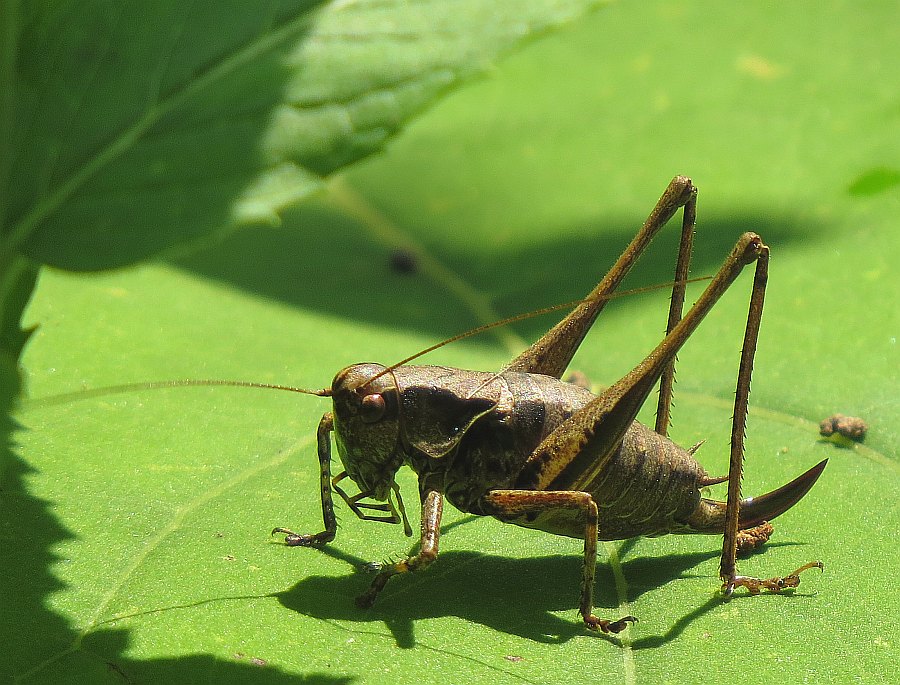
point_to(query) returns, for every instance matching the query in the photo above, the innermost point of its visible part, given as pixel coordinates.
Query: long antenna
(528, 315)
(63, 398)
(66, 397)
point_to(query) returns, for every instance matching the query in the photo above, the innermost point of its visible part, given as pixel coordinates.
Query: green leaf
(135, 544)
(875, 181)
(141, 127)
(17, 281)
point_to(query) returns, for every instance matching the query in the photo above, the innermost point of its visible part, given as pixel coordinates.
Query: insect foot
(293, 539)
(756, 585)
(605, 626)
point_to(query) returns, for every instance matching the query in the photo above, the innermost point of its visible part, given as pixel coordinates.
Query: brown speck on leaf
(513, 658)
(228, 557)
(851, 427)
(256, 661)
(750, 540)
(579, 379)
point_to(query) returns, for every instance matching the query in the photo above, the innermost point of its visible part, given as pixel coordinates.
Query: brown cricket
(526, 448)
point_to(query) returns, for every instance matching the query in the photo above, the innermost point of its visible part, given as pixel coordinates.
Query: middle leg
(513, 504)
(432, 509)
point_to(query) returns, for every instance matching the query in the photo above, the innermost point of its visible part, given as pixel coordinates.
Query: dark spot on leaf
(404, 262)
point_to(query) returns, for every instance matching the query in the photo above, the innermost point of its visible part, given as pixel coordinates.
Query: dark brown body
(648, 487)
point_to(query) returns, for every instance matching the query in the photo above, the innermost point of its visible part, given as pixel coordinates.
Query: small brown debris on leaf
(851, 427)
(514, 658)
(751, 539)
(579, 379)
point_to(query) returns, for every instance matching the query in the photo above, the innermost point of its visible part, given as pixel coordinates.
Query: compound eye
(372, 408)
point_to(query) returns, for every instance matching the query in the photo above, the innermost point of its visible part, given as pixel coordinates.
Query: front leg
(432, 509)
(323, 437)
(514, 504)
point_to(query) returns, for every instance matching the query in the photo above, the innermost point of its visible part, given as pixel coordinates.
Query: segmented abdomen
(649, 487)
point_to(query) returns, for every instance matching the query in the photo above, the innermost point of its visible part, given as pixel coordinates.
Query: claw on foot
(603, 625)
(777, 584)
(292, 539)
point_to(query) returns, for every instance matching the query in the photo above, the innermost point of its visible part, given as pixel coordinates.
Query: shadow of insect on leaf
(679, 626)
(517, 596)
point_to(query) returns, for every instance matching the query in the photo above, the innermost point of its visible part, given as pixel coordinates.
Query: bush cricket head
(367, 427)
